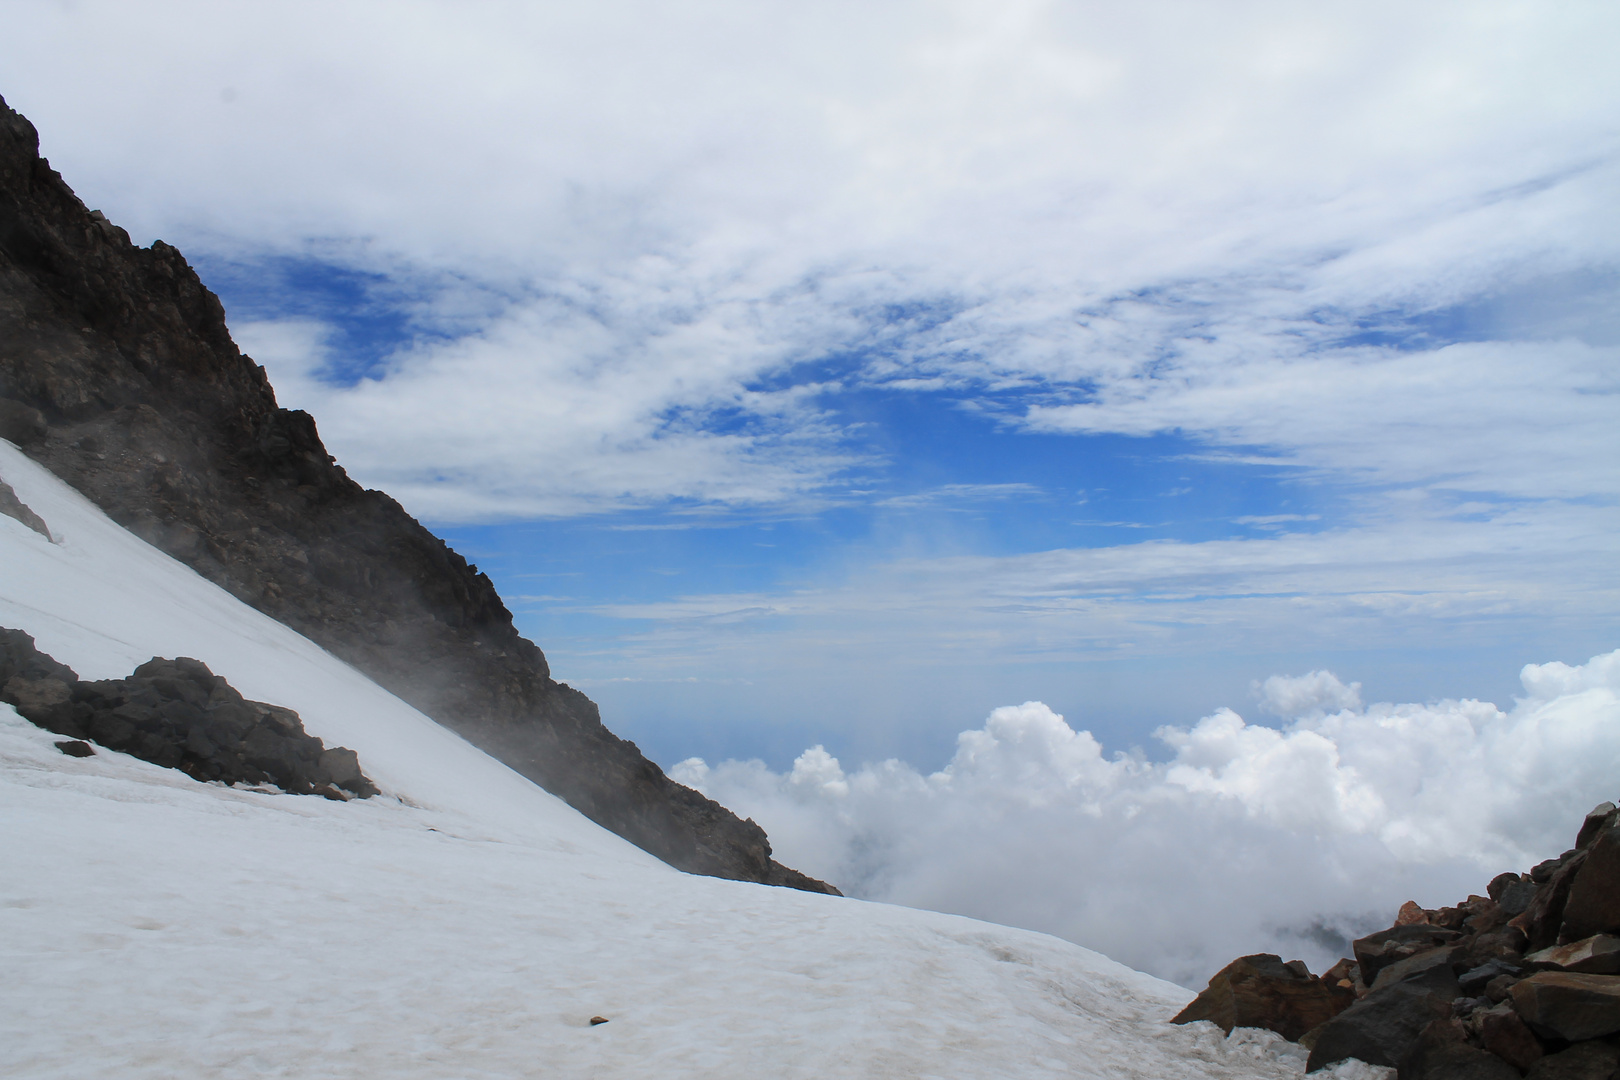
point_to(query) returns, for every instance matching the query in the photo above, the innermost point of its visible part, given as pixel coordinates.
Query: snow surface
(465, 923)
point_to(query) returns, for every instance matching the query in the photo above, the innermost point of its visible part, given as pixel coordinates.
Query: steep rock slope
(117, 372)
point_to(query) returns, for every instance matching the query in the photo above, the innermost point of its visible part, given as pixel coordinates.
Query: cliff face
(117, 372)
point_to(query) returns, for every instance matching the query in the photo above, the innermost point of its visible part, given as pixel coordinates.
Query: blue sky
(839, 375)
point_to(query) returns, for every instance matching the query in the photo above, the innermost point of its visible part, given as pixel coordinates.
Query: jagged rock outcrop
(117, 373)
(1262, 991)
(180, 715)
(1524, 981)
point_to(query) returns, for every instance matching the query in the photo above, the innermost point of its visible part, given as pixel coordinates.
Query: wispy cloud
(620, 236)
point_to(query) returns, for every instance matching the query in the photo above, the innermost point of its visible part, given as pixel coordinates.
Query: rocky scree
(1523, 981)
(180, 715)
(118, 374)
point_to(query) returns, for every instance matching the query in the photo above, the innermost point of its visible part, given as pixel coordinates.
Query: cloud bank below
(1286, 838)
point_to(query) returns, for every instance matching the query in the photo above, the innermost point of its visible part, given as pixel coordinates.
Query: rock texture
(178, 714)
(1262, 991)
(118, 374)
(1522, 982)
(13, 507)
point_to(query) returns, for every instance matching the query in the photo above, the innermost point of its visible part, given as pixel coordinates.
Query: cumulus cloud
(1248, 837)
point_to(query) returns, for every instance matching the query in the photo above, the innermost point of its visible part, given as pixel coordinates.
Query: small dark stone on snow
(598, 1020)
(76, 748)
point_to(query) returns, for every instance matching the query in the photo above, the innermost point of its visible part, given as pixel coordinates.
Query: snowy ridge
(465, 923)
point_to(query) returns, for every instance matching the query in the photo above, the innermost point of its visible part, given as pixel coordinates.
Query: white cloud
(1162, 216)
(1247, 838)
(1313, 693)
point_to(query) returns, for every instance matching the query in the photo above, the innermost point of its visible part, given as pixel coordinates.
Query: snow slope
(465, 923)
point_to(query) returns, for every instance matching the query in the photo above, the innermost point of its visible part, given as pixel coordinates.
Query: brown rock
(1503, 944)
(1382, 1027)
(1504, 1033)
(1601, 815)
(595, 1020)
(1377, 951)
(1442, 1052)
(1499, 883)
(1412, 965)
(1543, 919)
(1583, 1061)
(1596, 955)
(1500, 988)
(1410, 914)
(1483, 915)
(1261, 991)
(1593, 904)
(1569, 1006)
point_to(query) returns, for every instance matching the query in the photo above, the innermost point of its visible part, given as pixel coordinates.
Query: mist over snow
(1286, 837)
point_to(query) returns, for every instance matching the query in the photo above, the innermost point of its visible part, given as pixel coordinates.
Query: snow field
(465, 923)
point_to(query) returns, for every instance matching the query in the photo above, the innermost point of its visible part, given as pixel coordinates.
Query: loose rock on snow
(178, 714)
(1522, 982)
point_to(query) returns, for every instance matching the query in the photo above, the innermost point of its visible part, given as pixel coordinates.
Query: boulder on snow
(76, 748)
(180, 715)
(1569, 1005)
(1263, 992)
(13, 507)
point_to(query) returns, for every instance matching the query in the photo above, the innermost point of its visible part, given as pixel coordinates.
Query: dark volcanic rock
(1263, 992)
(152, 412)
(1593, 904)
(1442, 1052)
(1569, 1006)
(1600, 816)
(178, 714)
(1416, 964)
(1382, 1027)
(1377, 951)
(13, 507)
(1583, 1061)
(1504, 1033)
(1543, 919)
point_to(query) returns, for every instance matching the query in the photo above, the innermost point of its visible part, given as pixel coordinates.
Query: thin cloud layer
(1285, 838)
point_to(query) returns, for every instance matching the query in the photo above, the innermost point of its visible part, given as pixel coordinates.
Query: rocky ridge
(177, 714)
(117, 372)
(1523, 981)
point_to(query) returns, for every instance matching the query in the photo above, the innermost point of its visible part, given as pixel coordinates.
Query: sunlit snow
(465, 923)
